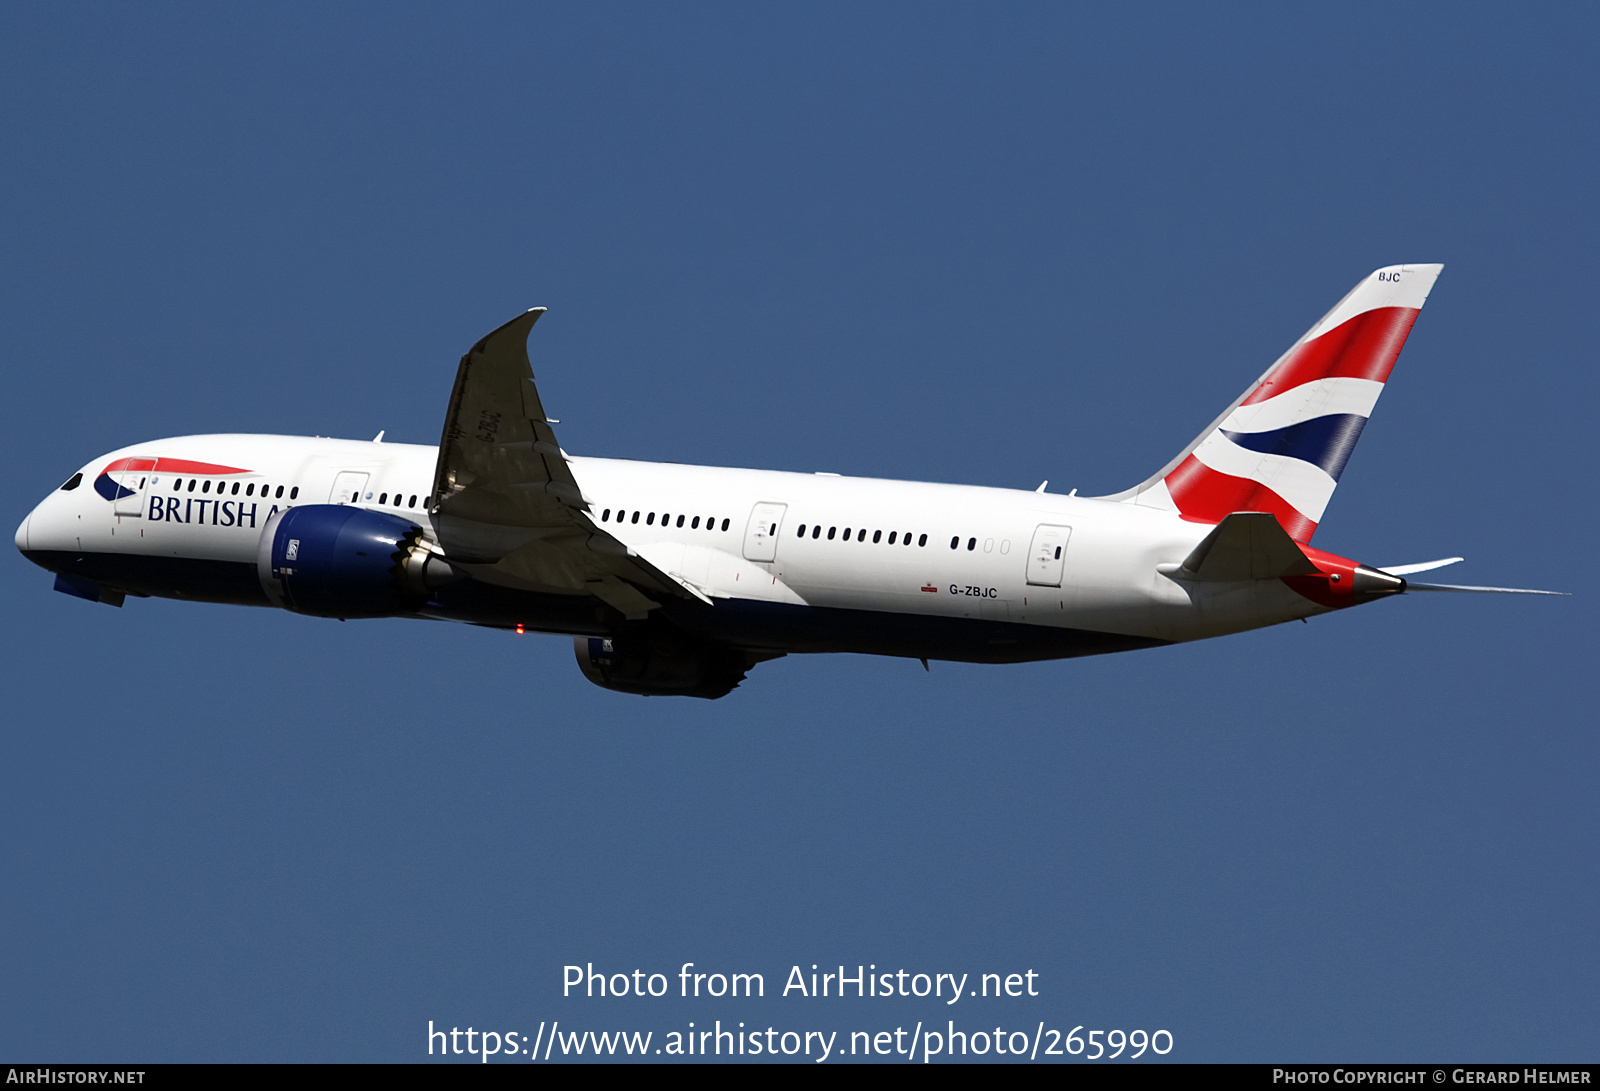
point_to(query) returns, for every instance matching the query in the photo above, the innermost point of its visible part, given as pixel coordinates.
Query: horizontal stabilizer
(1421, 566)
(1479, 590)
(1247, 545)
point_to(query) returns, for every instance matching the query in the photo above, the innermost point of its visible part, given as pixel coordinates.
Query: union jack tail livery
(1281, 447)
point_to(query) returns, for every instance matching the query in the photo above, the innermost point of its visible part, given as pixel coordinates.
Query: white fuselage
(1031, 561)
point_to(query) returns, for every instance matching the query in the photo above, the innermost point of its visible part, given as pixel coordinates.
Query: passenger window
(922, 541)
(877, 536)
(294, 493)
(413, 502)
(816, 530)
(72, 482)
(891, 537)
(650, 520)
(279, 493)
(193, 481)
(235, 490)
(847, 534)
(680, 520)
(696, 524)
(861, 535)
(802, 533)
(831, 532)
(635, 518)
(207, 486)
(605, 516)
(724, 524)
(956, 541)
(972, 543)
(383, 498)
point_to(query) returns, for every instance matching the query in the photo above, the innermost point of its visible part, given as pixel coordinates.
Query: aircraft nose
(42, 530)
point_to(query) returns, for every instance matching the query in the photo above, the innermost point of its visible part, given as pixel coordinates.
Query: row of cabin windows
(666, 519)
(861, 535)
(222, 487)
(267, 491)
(972, 543)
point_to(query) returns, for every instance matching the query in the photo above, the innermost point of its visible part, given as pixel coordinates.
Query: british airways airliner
(677, 579)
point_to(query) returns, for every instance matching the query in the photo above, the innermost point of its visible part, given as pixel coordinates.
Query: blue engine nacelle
(334, 560)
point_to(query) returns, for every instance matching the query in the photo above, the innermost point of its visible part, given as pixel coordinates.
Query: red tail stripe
(1365, 347)
(1204, 495)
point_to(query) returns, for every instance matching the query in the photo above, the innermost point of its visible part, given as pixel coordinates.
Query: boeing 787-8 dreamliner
(677, 579)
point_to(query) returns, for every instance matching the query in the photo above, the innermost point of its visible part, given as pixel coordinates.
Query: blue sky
(952, 243)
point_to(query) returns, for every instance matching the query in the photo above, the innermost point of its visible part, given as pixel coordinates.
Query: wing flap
(623, 597)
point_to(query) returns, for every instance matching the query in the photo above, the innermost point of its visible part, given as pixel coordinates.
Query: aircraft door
(131, 484)
(761, 534)
(347, 488)
(1047, 557)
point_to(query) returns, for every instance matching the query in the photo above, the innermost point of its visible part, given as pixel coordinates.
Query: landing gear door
(1048, 556)
(761, 534)
(347, 488)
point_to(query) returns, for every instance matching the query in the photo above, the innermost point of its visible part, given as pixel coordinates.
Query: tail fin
(1281, 446)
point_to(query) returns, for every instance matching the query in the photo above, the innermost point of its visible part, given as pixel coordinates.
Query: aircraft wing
(507, 507)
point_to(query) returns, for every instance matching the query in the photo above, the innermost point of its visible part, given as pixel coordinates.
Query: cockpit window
(72, 482)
